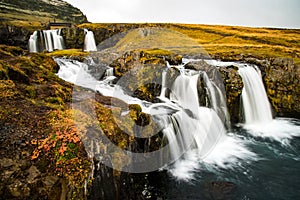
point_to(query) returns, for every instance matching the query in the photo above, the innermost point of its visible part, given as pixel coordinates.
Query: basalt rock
(14, 36)
(73, 37)
(233, 86)
(140, 72)
(282, 81)
(281, 78)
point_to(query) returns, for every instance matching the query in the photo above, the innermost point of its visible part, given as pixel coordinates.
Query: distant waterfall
(256, 105)
(33, 42)
(89, 41)
(49, 40)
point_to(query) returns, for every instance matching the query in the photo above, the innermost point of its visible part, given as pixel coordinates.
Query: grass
(68, 53)
(216, 40)
(260, 42)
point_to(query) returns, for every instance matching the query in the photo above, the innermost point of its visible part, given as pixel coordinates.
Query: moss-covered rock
(233, 86)
(140, 71)
(282, 81)
(33, 107)
(73, 37)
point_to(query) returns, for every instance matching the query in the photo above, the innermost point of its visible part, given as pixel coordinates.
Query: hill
(35, 12)
(222, 42)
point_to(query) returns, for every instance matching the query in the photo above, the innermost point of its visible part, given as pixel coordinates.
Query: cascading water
(199, 144)
(193, 132)
(109, 72)
(256, 105)
(33, 42)
(49, 40)
(89, 41)
(257, 109)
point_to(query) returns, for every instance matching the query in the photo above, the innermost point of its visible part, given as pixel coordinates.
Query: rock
(50, 181)
(18, 189)
(73, 37)
(6, 162)
(282, 82)
(14, 36)
(233, 86)
(283, 62)
(140, 73)
(174, 59)
(33, 173)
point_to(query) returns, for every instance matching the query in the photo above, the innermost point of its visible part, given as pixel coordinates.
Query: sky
(253, 13)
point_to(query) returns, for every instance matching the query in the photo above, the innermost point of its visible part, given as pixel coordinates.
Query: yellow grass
(216, 39)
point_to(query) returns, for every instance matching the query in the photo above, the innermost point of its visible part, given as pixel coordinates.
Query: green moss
(156, 52)
(3, 71)
(31, 91)
(72, 53)
(55, 100)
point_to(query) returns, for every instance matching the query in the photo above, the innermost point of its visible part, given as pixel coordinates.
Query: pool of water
(271, 171)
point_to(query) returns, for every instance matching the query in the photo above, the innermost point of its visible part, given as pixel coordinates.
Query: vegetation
(36, 107)
(38, 12)
(77, 54)
(224, 42)
(35, 104)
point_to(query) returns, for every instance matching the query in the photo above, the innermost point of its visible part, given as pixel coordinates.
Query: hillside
(223, 42)
(33, 12)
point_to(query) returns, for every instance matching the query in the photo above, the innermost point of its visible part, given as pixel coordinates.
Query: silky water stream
(258, 159)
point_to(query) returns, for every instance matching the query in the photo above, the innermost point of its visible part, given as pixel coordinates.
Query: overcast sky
(256, 13)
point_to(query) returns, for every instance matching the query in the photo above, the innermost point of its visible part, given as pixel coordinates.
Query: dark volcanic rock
(14, 36)
(74, 38)
(282, 81)
(233, 86)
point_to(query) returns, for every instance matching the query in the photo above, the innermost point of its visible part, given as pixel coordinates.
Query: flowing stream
(255, 160)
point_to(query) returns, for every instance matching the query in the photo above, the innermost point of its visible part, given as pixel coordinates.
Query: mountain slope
(42, 11)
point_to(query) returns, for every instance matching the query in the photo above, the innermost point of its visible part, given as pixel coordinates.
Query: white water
(33, 42)
(77, 73)
(163, 85)
(195, 134)
(51, 39)
(257, 109)
(109, 72)
(89, 41)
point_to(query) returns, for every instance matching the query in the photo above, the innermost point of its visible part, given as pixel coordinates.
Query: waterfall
(89, 41)
(33, 42)
(49, 40)
(256, 106)
(192, 130)
(163, 85)
(193, 133)
(216, 99)
(109, 72)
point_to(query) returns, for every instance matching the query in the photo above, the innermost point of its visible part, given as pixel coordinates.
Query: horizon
(280, 14)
